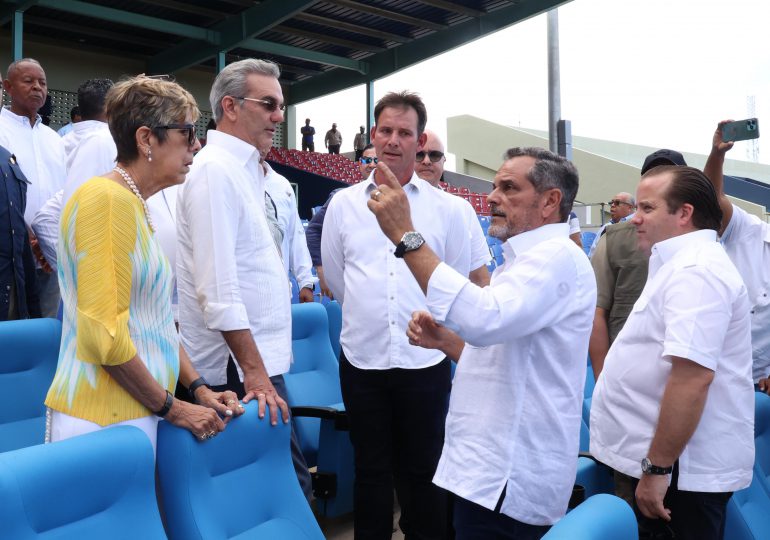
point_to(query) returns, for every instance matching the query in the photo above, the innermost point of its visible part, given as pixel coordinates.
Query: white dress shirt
(229, 272)
(694, 306)
(296, 257)
(747, 241)
(162, 207)
(517, 395)
(377, 291)
(90, 152)
(40, 153)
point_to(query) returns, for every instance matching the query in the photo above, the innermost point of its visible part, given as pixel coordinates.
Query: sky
(653, 72)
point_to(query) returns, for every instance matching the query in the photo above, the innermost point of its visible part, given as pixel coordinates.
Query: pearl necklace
(132, 186)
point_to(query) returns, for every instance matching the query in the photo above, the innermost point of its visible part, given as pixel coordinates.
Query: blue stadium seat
(294, 289)
(99, 485)
(484, 221)
(601, 517)
(315, 397)
(240, 484)
(497, 253)
(334, 316)
(30, 351)
(747, 509)
(587, 238)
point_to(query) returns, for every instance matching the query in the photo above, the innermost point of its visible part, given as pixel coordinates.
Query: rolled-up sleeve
(213, 212)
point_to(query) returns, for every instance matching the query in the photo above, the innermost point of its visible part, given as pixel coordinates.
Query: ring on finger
(376, 194)
(230, 401)
(260, 395)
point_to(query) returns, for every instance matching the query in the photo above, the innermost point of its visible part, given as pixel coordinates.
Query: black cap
(663, 157)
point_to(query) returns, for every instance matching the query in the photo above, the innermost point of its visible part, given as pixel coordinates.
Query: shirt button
(391, 298)
(392, 322)
(391, 273)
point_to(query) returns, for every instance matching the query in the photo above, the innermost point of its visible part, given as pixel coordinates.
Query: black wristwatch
(649, 468)
(166, 406)
(409, 242)
(197, 383)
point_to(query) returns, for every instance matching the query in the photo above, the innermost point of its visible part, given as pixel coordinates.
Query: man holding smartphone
(746, 239)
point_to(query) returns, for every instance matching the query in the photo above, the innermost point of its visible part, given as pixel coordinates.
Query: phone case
(742, 130)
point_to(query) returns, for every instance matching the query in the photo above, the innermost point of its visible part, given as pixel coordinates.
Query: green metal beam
(18, 35)
(233, 30)
(131, 19)
(12, 6)
(398, 58)
(279, 49)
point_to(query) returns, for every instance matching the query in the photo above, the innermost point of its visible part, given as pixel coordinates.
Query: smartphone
(741, 130)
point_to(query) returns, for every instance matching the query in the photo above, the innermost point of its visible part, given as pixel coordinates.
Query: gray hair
(550, 171)
(13, 65)
(630, 198)
(231, 81)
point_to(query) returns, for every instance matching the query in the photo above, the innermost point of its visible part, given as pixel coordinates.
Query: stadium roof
(322, 46)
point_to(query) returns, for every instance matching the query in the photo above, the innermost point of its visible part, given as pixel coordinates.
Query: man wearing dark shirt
(18, 285)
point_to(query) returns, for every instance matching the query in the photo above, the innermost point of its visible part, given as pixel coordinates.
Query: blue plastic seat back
(334, 315)
(30, 351)
(601, 517)
(762, 439)
(313, 379)
(240, 484)
(99, 485)
(587, 238)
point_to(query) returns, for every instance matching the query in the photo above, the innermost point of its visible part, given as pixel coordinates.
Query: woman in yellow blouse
(120, 357)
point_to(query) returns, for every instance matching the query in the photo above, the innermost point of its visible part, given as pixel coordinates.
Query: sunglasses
(269, 104)
(433, 155)
(616, 202)
(368, 160)
(190, 128)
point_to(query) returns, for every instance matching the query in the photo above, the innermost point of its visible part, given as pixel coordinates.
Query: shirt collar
(516, 245)
(240, 149)
(415, 182)
(6, 111)
(665, 250)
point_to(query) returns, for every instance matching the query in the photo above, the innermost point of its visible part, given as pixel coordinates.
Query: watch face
(646, 465)
(412, 240)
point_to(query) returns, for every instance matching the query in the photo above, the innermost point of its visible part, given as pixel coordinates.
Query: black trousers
(694, 515)
(397, 429)
(334, 148)
(474, 522)
(308, 146)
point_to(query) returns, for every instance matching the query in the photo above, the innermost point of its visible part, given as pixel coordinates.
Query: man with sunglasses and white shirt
(234, 295)
(429, 165)
(622, 208)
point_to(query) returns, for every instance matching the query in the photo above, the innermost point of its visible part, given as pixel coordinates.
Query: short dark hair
(691, 186)
(403, 100)
(550, 171)
(74, 111)
(91, 96)
(368, 147)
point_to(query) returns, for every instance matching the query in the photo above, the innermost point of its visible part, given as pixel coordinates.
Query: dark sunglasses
(190, 128)
(433, 155)
(368, 160)
(616, 202)
(268, 103)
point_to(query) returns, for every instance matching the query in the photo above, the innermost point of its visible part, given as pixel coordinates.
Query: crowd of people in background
(168, 265)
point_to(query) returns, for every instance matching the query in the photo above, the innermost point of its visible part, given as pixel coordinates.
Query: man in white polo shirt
(513, 427)
(746, 239)
(674, 404)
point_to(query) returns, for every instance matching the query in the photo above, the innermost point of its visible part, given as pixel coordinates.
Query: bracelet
(166, 406)
(197, 383)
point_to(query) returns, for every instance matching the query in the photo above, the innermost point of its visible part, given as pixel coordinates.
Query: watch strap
(197, 383)
(166, 406)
